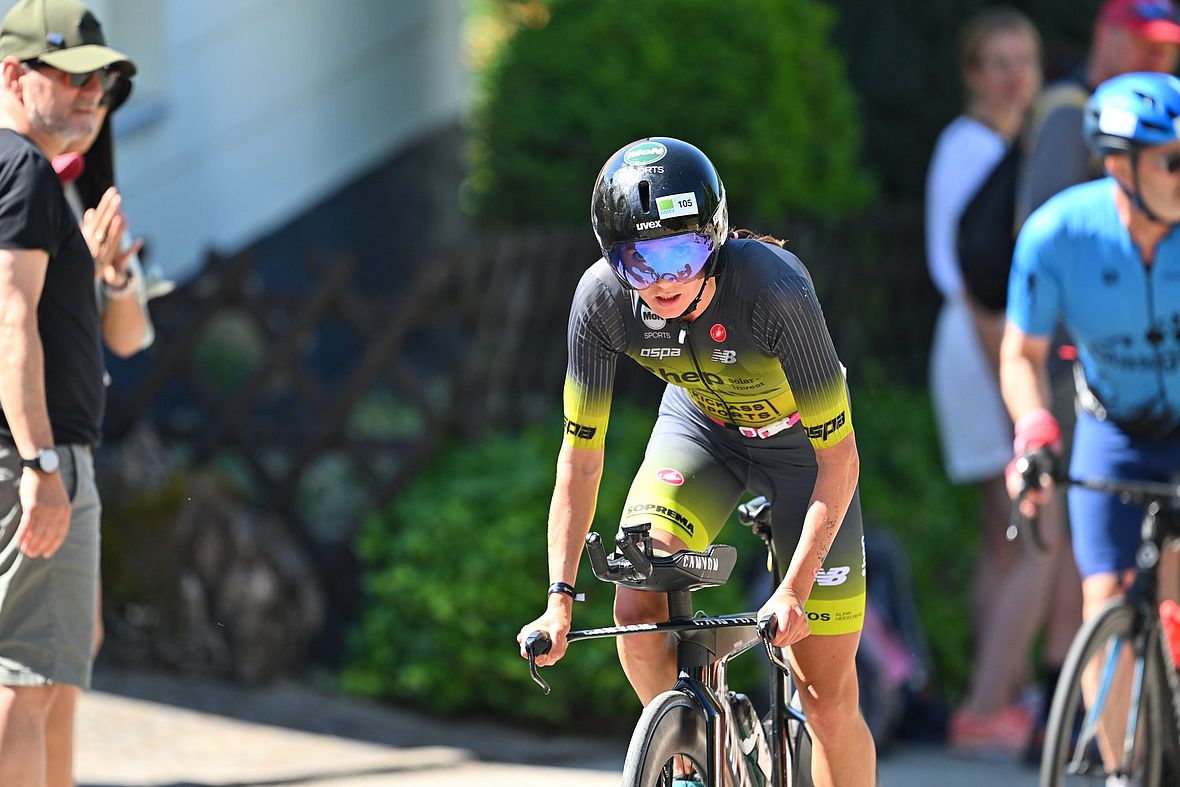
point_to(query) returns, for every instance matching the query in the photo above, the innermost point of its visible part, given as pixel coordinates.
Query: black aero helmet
(659, 213)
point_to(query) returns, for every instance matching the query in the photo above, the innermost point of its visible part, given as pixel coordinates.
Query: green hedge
(903, 69)
(457, 565)
(904, 489)
(756, 84)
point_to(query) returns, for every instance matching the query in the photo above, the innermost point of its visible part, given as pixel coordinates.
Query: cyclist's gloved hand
(787, 609)
(1036, 430)
(555, 623)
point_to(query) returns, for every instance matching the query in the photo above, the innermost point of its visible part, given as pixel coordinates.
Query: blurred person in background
(1103, 259)
(756, 401)
(1129, 35)
(54, 72)
(87, 175)
(1000, 54)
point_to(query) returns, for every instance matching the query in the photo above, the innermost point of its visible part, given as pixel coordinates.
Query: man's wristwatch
(46, 460)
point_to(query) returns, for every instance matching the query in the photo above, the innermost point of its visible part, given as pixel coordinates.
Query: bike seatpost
(755, 514)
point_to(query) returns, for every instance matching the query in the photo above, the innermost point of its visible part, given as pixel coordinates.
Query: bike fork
(715, 729)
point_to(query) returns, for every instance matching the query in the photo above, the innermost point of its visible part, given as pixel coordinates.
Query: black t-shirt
(34, 215)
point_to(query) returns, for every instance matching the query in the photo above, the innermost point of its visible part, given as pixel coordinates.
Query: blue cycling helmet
(1133, 111)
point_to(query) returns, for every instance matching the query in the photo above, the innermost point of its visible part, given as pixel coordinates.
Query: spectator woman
(1001, 72)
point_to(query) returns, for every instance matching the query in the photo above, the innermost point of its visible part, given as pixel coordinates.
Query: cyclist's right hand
(1031, 497)
(556, 624)
(1035, 432)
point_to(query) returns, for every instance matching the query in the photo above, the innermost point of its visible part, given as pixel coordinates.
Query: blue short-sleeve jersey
(1075, 261)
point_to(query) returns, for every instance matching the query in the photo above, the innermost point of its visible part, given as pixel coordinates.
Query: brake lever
(1031, 467)
(768, 629)
(1018, 522)
(537, 644)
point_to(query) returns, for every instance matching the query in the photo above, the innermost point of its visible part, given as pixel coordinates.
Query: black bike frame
(706, 644)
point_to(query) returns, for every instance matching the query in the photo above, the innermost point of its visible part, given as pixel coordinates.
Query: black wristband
(567, 589)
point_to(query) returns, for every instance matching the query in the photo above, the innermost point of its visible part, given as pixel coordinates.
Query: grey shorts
(47, 604)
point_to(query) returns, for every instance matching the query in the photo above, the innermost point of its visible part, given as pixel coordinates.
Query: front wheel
(1106, 721)
(671, 724)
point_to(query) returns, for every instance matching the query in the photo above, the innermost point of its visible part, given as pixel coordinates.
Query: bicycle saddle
(633, 564)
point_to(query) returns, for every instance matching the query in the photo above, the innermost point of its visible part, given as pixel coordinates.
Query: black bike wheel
(1072, 755)
(671, 724)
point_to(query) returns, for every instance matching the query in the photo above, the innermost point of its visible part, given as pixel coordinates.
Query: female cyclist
(756, 402)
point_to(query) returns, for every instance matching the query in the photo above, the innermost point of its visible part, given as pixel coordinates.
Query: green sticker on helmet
(645, 153)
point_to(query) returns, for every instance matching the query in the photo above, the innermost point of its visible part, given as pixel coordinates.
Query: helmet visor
(675, 259)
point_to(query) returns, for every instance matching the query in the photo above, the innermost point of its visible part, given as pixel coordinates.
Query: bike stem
(692, 654)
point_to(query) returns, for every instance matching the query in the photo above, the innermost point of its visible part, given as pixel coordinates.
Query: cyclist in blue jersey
(756, 401)
(1104, 256)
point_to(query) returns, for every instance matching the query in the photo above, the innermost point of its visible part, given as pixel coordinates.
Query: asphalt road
(137, 730)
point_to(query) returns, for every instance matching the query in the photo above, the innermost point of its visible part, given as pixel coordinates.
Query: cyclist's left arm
(791, 321)
(835, 483)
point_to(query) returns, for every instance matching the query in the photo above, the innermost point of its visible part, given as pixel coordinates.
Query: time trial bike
(701, 727)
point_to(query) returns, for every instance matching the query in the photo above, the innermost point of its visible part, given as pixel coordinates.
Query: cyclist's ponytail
(751, 235)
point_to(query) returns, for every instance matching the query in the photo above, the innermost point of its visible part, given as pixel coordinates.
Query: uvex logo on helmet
(645, 153)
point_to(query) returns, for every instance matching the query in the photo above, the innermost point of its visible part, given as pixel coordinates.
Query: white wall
(246, 112)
